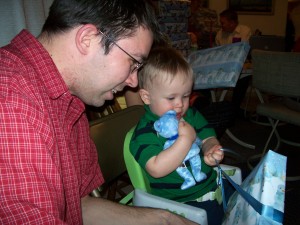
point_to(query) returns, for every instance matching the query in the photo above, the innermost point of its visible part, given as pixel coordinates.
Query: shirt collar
(42, 63)
(149, 114)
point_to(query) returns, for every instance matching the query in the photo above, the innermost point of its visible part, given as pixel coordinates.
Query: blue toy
(167, 127)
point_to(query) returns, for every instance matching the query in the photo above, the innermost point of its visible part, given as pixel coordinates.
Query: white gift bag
(266, 184)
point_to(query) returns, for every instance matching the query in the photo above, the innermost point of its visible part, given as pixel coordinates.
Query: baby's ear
(145, 96)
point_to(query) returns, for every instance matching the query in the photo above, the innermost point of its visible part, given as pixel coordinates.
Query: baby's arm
(212, 151)
(169, 159)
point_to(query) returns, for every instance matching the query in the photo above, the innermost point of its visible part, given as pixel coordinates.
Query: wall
(268, 24)
(16, 15)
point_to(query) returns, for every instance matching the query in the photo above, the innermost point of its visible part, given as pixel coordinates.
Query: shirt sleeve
(87, 156)
(30, 185)
(200, 124)
(246, 33)
(145, 144)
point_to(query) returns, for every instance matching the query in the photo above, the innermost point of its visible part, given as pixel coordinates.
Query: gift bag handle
(264, 210)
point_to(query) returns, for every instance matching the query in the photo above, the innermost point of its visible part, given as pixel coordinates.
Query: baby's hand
(187, 131)
(213, 154)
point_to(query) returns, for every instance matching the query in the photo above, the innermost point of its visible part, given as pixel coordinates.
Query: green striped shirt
(145, 143)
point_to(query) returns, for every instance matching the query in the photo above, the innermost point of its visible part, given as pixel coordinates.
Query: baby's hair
(164, 63)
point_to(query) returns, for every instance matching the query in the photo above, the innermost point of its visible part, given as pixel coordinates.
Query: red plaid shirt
(47, 160)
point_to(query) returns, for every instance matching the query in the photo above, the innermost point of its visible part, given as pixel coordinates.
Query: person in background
(87, 51)
(165, 84)
(231, 31)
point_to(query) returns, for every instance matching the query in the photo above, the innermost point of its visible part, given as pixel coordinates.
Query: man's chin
(98, 102)
(101, 100)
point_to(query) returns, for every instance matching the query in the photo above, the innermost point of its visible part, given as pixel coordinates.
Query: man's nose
(132, 80)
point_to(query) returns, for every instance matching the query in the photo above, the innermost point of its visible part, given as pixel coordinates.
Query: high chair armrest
(144, 199)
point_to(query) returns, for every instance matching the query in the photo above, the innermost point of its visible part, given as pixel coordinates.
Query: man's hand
(102, 211)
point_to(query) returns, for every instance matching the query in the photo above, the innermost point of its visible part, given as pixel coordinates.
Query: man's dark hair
(118, 19)
(230, 15)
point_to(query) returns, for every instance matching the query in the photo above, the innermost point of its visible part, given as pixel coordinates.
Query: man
(231, 31)
(87, 51)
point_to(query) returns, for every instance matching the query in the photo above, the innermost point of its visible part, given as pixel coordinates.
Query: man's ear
(145, 96)
(85, 37)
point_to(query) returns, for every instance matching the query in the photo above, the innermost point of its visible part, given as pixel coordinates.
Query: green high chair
(141, 194)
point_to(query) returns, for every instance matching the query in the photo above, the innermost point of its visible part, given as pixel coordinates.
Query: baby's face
(168, 95)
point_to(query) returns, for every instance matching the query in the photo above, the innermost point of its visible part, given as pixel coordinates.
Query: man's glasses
(136, 66)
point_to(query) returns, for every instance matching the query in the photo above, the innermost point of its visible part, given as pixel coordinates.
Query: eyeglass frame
(138, 64)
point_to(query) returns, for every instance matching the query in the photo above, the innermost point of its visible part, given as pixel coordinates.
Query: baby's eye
(170, 98)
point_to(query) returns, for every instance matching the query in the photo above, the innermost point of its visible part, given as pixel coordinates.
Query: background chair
(108, 134)
(276, 79)
(141, 196)
(109, 107)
